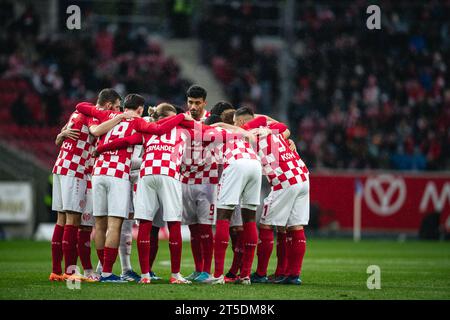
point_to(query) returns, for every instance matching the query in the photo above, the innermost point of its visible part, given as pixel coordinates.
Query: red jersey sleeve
(257, 122)
(121, 143)
(90, 110)
(280, 127)
(159, 128)
(163, 120)
(208, 133)
(194, 125)
(212, 134)
(92, 122)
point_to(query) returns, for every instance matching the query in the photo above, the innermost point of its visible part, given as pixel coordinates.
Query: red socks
(84, 248)
(220, 246)
(281, 254)
(238, 250)
(265, 247)
(57, 251)
(101, 256)
(109, 259)
(175, 245)
(296, 247)
(69, 246)
(196, 247)
(143, 245)
(153, 245)
(207, 241)
(250, 239)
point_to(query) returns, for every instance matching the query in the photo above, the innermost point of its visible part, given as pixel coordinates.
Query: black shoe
(292, 280)
(231, 278)
(256, 278)
(277, 279)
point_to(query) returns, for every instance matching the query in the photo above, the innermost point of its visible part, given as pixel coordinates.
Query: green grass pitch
(332, 269)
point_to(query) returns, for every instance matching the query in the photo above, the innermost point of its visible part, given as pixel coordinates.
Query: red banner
(390, 201)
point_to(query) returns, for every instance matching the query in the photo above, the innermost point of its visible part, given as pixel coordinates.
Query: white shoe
(178, 279)
(213, 280)
(92, 275)
(245, 281)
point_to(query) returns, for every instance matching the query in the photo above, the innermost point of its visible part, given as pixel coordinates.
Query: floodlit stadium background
(369, 109)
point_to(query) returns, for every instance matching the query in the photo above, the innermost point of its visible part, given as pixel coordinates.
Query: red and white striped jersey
(74, 155)
(206, 114)
(163, 154)
(199, 165)
(282, 166)
(233, 149)
(117, 162)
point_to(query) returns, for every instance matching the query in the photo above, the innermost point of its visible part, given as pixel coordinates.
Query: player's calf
(250, 239)
(296, 248)
(264, 251)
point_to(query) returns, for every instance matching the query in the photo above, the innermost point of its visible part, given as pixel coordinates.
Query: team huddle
(198, 168)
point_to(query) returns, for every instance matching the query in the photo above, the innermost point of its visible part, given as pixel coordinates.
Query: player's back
(233, 149)
(163, 154)
(281, 165)
(116, 163)
(198, 163)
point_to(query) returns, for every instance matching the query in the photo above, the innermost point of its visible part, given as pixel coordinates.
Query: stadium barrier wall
(16, 209)
(391, 201)
(17, 166)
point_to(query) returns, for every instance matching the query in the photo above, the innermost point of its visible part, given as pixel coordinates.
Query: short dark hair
(108, 95)
(220, 107)
(214, 118)
(179, 109)
(227, 116)
(244, 111)
(196, 91)
(133, 101)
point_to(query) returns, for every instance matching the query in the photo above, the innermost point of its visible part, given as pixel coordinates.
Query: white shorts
(134, 178)
(111, 196)
(158, 220)
(68, 194)
(240, 183)
(159, 191)
(199, 203)
(236, 218)
(87, 218)
(287, 207)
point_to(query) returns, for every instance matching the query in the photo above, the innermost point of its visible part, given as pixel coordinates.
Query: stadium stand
(249, 74)
(42, 76)
(384, 107)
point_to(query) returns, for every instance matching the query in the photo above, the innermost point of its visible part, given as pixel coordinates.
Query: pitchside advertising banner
(389, 201)
(16, 202)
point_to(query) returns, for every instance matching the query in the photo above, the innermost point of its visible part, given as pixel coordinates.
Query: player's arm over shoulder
(279, 127)
(98, 129)
(121, 143)
(65, 133)
(159, 128)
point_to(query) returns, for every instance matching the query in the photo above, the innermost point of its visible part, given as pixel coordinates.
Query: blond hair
(162, 110)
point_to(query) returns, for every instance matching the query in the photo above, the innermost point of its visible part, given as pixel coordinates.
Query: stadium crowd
(65, 67)
(363, 99)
